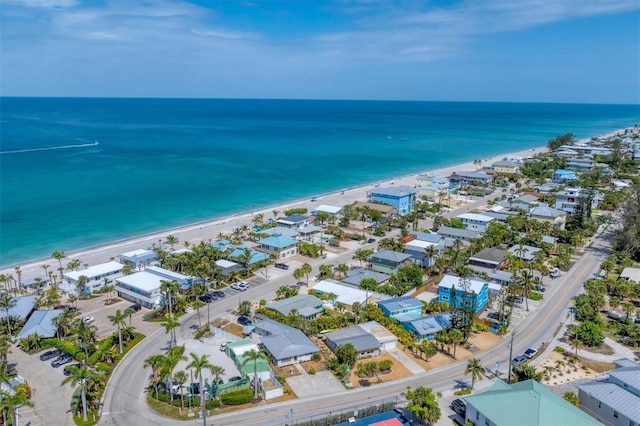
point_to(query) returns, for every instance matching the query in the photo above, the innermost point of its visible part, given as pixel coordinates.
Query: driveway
(321, 383)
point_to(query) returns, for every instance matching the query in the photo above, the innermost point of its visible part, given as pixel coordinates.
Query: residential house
(310, 233)
(585, 149)
(524, 252)
(356, 275)
(138, 259)
(458, 234)
(280, 231)
(294, 221)
(345, 293)
(527, 402)
(506, 167)
(400, 305)
(306, 305)
(581, 164)
(565, 153)
(98, 276)
(544, 213)
(40, 323)
(468, 292)
(237, 350)
(563, 176)
(386, 340)
(280, 247)
(324, 208)
(285, 345)
(432, 188)
(490, 257)
(475, 222)
(365, 343)
(386, 211)
(255, 256)
(227, 267)
(388, 261)
(614, 399)
(568, 199)
(425, 327)
(493, 275)
(418, 249)
(403, 198)
(458, 179)
(547, 188)
(524, 202)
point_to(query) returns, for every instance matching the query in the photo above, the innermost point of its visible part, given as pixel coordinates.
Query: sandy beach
(211, 229)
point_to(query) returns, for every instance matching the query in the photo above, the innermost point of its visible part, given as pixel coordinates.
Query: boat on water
(96, 143)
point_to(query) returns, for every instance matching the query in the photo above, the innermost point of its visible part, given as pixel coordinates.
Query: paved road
(125, 400)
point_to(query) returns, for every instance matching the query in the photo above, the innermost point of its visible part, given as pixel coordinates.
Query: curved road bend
(125, 399)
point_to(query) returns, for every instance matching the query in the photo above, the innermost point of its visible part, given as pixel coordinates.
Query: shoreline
(210, 228)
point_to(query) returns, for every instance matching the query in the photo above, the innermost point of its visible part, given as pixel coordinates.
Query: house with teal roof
(278, 245)
(524, 403)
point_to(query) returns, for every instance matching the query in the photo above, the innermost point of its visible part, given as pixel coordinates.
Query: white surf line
(18, 151)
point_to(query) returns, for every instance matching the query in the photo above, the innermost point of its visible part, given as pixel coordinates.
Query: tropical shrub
(238, 397)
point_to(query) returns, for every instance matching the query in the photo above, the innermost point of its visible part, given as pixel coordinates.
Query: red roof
(390, 422)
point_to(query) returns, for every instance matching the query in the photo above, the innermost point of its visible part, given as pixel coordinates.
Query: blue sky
(584, 51)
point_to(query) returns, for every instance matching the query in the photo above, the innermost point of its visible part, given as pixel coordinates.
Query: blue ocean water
(168, 162)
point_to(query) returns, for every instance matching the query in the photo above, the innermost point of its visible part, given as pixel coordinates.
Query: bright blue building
(403, 198)
(476, 294)
(561, 176)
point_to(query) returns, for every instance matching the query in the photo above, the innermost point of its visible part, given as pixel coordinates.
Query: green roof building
(525, 403)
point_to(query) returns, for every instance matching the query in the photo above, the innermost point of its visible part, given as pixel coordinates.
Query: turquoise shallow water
(168, 162)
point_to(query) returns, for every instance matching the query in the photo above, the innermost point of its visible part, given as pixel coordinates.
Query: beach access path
(211, 229)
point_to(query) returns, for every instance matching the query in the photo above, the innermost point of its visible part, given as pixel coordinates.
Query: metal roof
(285, 342)
(615, 397)
(391, 255)
(394, 191)
(40, 323)
(23, 307)
(306, 305)
(356, 275)
(400, 303)
(456, 232)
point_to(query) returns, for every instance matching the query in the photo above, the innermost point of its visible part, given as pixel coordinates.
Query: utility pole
(510, 356)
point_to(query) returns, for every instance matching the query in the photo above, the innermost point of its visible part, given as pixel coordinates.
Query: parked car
(459, 407)
(240, 286)
(493, 315)
(242, 320)
(530, 353)
(63, 359)
(520, 359)
(223, 346)
(371, 240)
(219, 294)
(67, 369)
(234, 379)
(135, 307)
(541, 288)
(88, 319)
(206, 298)
(50, 355)
(281, 265)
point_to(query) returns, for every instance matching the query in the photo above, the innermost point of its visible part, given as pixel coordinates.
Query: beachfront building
(490, 257)
(386, 211)
(239, 252)
(365, 343)
(324, 208)
(403, 198)
(614, 399)
(544, 213)
(459, 292)
(294, 221)
(285, 345)
(433, 188)
(138, 259)
(505, 405)
(95, 277)
(563, 176)
(585, 149)
(388, 261)
(279, 246)
(505, 166)
(475, 222)
(305, 305)
(394, 307)
(20, 308)
(458, 179)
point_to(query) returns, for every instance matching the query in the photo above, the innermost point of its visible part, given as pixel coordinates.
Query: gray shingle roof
(285, 342)
(490, 254)
(356, 275)
(455, 232)
(355, 335)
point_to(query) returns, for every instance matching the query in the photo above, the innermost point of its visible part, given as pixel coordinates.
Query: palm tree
(80, 376)
(10, 404)
(171, 359)
(6, 303)
(307, 269)
(200, 363)
(81, 285)
(86, 334)
(59, 255)
(73, 265)
(577, 344)
(118, 319)
(526, 278)
(168, 288)
(155, 362)
(180, 378)
(172, 240)
(170, 324)
(429, 252)
(217, 372)
(455, 338)
(254, 356)
(475, 369)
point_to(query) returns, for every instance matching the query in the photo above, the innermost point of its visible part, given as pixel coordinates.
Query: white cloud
(44, 3)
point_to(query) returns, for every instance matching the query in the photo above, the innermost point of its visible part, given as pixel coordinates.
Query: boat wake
(19, 151)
